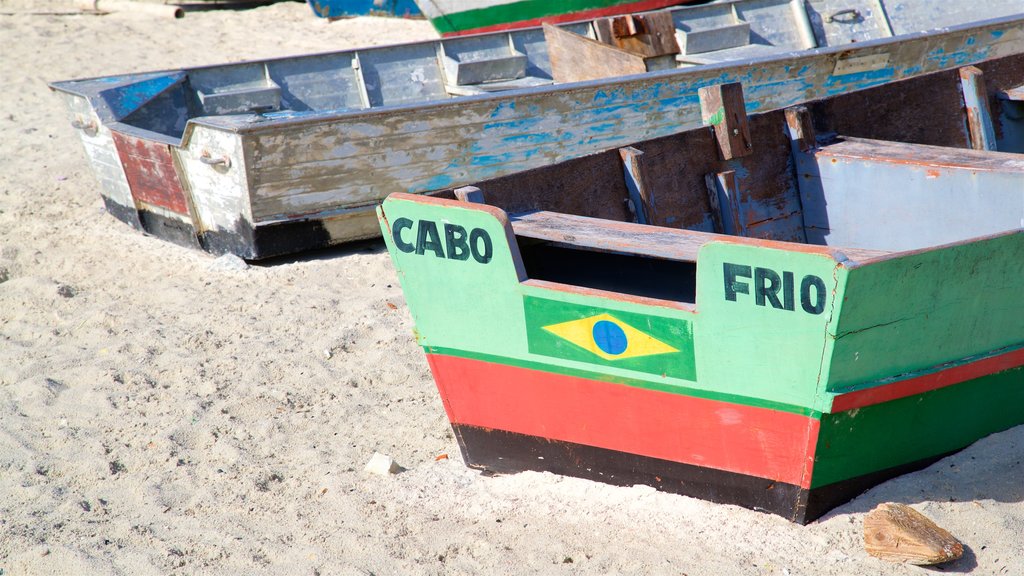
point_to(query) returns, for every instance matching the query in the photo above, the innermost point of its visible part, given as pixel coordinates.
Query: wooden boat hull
(264, 184)
(698, 421)
(459, 17)
(786, 366)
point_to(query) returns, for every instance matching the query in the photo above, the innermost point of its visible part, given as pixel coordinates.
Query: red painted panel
(747, 440)
(638, 6)
(150, 172)
(927, 382)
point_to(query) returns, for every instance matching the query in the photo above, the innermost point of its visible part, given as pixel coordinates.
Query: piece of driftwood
(106, 6)
(898, 533)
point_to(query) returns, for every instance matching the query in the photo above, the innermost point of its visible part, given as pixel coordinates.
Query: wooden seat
(638, 239)
(611, 236)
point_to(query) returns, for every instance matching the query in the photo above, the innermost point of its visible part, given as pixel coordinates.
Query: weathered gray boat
(271, 157)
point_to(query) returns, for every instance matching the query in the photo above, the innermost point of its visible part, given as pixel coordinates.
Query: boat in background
(278, 156)
(777, 312)
(347, 8)
(461, 17)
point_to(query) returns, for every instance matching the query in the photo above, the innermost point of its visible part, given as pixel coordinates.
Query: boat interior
(159, 104)
(913, 165)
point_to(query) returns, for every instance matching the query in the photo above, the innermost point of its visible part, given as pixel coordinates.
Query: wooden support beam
(979, 117)
(722, 108)
(801, 128)
(723, 196)
(469, 194)
(640, 196)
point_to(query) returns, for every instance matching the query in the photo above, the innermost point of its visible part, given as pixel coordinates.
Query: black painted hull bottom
(244, 241)
(508, 452)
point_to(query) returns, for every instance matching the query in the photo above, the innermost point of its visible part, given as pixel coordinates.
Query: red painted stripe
(732, 437)
(640, 6)
(928, 382)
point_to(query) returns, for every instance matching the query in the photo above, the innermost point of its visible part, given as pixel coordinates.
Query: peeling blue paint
(847, 82)
(503, 108)
(438, 182)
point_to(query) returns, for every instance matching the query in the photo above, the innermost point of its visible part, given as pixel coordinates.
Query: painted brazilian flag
(652, 344)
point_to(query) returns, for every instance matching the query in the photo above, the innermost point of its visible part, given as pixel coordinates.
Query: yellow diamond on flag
(609, 338)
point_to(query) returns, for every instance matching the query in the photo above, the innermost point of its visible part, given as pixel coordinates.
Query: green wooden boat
(777, 312)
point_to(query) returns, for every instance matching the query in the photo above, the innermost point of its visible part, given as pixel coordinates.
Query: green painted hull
(756, 391)
(779, 374)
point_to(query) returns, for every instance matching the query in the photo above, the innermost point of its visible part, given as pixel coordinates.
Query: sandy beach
(164, 412)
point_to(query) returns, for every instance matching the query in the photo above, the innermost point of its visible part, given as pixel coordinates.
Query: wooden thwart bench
(627, 237)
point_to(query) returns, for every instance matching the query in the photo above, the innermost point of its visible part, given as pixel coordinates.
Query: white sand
(161, 415)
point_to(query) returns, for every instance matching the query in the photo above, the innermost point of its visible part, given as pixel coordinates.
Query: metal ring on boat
(852, 12)
(222, 162)
(89, 128)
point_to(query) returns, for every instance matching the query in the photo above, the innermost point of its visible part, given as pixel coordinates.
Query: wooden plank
(723, 197)
(150, 171)
(801, 128)
(224, 203)
(925, 156)
(640, 239)
(640, 195)
(609, 236)
(722, 108)
(979, 117)
(575, 58)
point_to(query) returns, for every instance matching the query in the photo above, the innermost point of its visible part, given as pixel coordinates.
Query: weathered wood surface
(576, 58)
(611, 236)
(723, 109)
(926, 156)
(639, 239)
(641, 197)
(150, 171)
(801, 128)
(646, 35)
(99, 146)
(898, 533)
(979, 117)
